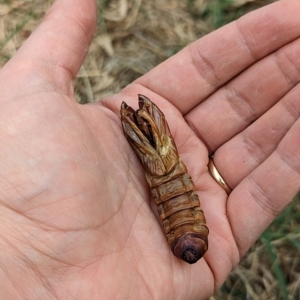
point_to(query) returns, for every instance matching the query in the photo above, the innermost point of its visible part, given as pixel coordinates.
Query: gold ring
(217, 177)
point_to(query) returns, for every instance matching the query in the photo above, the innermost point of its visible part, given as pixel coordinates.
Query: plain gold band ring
(217, 177)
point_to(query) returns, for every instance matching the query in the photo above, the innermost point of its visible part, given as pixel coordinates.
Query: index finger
(189, 77)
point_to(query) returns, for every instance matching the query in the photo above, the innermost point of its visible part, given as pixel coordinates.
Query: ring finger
(246, 151)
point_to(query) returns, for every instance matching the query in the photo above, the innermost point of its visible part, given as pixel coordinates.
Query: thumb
(60, 43)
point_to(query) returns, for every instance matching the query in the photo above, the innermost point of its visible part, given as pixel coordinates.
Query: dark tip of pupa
(190, 248)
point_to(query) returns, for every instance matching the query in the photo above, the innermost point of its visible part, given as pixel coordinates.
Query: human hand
(75, 209)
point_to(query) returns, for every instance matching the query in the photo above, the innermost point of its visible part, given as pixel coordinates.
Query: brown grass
(132, 37)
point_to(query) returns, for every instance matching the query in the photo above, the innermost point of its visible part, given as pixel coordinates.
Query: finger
(245, 98)
(60, 43)
(263, 194)
(245, 152)
(197, 71)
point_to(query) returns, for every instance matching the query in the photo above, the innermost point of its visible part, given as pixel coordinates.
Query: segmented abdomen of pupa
(172, 188)
(179, 209)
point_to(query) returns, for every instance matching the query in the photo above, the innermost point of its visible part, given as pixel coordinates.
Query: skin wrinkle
(211, 269)
(40, 277)
(67, 198)
(20, 214)
(67, 231)
(60, 76)
(70, 296)
(56, 230)
(253, 148)
(68, 90)
(290, 62)
(288, 162)
(41, 225)
(61, 73)
(112, 237)
(292, 110)
(106, 249)
(261, 197)
(196, 60)
(139, 258)
(190, 279)
(242, 250)
(172, 271)
(188, 137)
(232, 93)
(123, 207)
(52, 257)
(275, 130)
(233, 265)
(10, 187)
(140, 184)
(6, 270)
(245, 42)
(41, 92)
(235, 238)
(175, 281)
(133, 219)
(143, 274)
(230, 258)
(144, 278)
(137, 262)
(200, 137)
(114, 120)
(288, 79)
(181, 293)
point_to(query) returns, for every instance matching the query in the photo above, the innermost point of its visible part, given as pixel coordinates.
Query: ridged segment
(184, 201)
(196, 229)
(172, 188)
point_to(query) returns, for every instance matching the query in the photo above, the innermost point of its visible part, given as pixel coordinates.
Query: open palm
(77, 221)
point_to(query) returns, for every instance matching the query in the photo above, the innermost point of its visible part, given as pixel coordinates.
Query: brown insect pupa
(172, 189)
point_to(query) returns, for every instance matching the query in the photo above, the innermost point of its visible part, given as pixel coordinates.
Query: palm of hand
(82, 217)
(82, 198)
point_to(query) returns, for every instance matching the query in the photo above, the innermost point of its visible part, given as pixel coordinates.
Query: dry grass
(132, 37)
